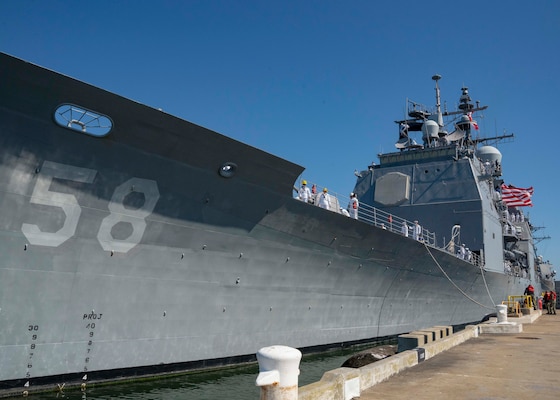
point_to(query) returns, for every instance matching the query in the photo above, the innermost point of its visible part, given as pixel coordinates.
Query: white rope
(457, 287)
(486, 285)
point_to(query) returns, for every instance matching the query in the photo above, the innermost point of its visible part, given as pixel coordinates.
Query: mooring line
(457, 287)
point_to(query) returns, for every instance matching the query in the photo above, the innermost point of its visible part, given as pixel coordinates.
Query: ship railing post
(278, 372)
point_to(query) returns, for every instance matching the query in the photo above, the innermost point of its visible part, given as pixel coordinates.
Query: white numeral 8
(137, 217)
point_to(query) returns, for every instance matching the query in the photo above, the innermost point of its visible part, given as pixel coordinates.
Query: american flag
(517, 197)
(472, 121)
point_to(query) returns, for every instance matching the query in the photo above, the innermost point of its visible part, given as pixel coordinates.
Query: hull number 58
(72, 210)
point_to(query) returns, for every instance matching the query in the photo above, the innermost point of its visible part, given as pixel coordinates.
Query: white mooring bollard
(278, 372)
(501, 313)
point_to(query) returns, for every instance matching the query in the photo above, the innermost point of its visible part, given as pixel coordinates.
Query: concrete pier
(518, 365)
(513, 359)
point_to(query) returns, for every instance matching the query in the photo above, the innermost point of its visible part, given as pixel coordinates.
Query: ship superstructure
(452, 183)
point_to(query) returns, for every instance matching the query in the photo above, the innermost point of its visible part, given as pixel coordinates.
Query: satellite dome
(430, 129)
(489, 153)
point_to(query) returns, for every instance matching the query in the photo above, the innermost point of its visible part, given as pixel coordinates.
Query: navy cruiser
(134, 242)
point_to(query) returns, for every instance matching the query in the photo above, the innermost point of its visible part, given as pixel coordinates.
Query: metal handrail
(526, 300)
(513, 307)
(385, 220)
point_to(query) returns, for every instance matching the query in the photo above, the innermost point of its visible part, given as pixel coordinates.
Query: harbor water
(235, 383)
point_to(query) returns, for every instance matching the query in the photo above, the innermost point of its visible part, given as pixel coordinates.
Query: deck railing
(396, 224)
(385, 220)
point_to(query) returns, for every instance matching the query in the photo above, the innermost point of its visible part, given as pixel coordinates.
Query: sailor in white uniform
(324, 199)
(417, 231)
(404, 229)
(304, 193)
(353, 206)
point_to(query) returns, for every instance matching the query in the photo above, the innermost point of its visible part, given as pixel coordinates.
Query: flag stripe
(473, 122)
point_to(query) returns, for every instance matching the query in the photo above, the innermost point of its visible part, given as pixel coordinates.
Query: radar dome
(489, 153)
(430, 129)
(464, 123)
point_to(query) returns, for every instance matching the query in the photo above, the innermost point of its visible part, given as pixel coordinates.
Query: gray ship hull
(130, 251)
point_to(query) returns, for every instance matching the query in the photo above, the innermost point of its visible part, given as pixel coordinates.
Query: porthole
(228, 169)
(82, 120)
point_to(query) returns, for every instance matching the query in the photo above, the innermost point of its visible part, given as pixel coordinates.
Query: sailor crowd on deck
(515, 268)
(515, 215)
(464, 253)
(324, 200)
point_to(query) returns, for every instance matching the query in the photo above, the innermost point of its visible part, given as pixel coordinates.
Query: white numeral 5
(68, 203)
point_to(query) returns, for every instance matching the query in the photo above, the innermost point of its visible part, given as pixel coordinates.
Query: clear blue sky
(319, 82)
